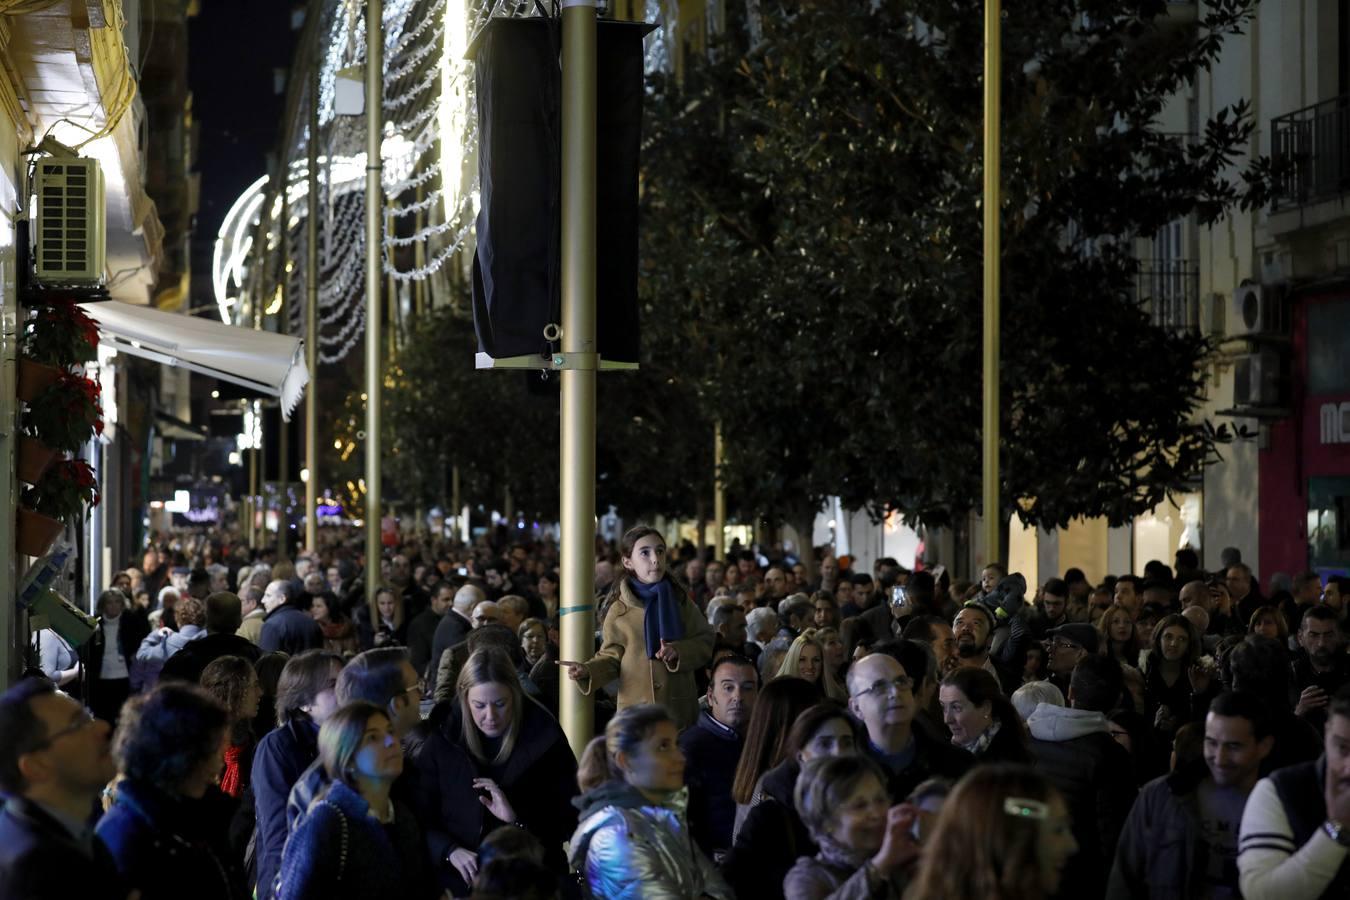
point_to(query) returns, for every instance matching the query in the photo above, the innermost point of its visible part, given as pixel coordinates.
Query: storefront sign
(1335, 419)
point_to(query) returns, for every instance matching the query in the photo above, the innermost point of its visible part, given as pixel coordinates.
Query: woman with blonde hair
(1003, 834)
(1116, 636)
(805, 659)
(497, 758)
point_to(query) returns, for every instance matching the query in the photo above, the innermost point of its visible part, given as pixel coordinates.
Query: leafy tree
(817, 201)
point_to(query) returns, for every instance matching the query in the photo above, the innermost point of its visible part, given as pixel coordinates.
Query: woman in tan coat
(655, 639)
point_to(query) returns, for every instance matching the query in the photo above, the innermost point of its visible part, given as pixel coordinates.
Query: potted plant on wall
(55, 338)
(60, 496)
(67, 414)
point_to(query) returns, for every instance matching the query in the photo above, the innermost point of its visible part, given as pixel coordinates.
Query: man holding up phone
(1321, 666)
(915, 597)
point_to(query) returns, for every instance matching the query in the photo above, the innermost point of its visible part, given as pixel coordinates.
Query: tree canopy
(812, 252)
(811, 266)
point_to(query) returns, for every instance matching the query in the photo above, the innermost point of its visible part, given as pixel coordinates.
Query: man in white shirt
(1295, 838)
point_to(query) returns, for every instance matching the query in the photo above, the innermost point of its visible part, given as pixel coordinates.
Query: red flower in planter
(66, 415)
(65, 490)
(61, 334)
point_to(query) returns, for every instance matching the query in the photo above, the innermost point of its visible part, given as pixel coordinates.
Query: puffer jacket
(628, 848)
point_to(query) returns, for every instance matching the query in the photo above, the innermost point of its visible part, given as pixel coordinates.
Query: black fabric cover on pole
(516, 267)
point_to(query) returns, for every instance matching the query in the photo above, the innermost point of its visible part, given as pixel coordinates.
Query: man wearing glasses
(882, 695)
(1068, 646)
(54, 762)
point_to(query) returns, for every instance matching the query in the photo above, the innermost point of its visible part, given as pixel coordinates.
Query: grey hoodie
(1049, 722)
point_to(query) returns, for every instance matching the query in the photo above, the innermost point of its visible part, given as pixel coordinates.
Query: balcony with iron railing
(1169, 290)
(1311, 151)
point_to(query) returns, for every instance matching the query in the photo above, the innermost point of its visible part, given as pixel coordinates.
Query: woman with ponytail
(655, 639)
(634, 839)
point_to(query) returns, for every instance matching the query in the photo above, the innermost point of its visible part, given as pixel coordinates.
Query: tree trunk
(805, 525)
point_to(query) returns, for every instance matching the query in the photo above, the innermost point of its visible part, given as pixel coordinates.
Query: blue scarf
(661, 619)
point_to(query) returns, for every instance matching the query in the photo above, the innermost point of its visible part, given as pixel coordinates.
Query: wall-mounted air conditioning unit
(1257, 380)
(70, 237)
(1256, 310)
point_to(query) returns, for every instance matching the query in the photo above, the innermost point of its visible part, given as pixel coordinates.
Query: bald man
(453, 628)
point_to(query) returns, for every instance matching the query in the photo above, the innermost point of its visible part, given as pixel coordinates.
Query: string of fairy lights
(429, 170)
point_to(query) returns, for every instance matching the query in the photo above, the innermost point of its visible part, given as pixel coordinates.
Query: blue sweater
(380, 860)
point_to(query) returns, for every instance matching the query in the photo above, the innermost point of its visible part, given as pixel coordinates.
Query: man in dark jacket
(452, 629)
(1052, 611)
(1320, 667)
(306, 697)
(1073, 748)
(287, 628)
(1181, 837)
(224, 614)
(882, 695)
(712, 748)
(422, 627)
(887, 619)
(54, 761)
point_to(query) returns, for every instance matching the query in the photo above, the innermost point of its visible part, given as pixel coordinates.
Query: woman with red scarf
(232, 681)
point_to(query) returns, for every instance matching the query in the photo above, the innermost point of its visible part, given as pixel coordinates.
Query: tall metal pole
(312, 316)
(993, 509)
(580, 359)
(374, 246)
(252, 496)
(284, 327)
(719, 494)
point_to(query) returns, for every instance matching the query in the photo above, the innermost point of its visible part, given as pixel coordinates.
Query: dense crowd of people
(241, 726)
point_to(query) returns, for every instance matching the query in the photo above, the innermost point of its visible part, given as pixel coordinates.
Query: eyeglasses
(82, 721)
(901, 685)
(1064, 645)
(420, 687)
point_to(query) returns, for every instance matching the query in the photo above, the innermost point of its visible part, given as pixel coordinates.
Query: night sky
(236, 49)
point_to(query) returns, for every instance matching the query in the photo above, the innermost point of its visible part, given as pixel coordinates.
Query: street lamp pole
(374, 246)
(579, 359)
(312, 314)
(992, 200)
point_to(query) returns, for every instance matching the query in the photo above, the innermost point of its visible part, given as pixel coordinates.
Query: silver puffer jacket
(628, 848)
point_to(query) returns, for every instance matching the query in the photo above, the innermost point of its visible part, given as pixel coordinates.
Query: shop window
(1328, 362)
(1329, 523)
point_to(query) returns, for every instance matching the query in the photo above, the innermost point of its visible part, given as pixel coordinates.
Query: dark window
(1328, 354)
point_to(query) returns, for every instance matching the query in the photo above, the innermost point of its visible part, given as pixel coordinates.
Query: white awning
(272, 364)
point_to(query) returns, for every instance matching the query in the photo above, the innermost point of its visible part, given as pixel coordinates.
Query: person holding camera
(391, 630)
